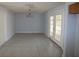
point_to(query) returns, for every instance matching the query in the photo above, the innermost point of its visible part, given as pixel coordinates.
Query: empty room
(39, 29)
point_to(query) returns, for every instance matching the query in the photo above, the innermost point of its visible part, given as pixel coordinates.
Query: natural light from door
(51, 25)
(58, 27)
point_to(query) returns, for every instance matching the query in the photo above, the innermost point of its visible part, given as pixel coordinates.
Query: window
(51, 25)
(58, 20)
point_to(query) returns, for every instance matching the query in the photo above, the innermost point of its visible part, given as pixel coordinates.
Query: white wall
(77, 37)
(6, 25)
(70, 29)
(10, 24)
(2, 25)
(33, 24)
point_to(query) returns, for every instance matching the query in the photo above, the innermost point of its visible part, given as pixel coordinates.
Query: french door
(55, 26)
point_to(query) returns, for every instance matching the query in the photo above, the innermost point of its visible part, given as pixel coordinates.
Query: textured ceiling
(36, 6)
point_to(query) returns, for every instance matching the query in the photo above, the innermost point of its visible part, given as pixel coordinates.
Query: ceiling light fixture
(29, 10)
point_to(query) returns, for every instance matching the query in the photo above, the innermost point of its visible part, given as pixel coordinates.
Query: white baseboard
(29, 32)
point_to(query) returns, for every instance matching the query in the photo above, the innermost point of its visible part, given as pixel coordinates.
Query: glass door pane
(51, 25)
(58, 27)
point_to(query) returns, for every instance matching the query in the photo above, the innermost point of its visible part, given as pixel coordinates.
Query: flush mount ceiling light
(29, 9)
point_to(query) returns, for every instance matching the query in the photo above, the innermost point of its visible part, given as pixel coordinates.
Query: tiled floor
(30, 45)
